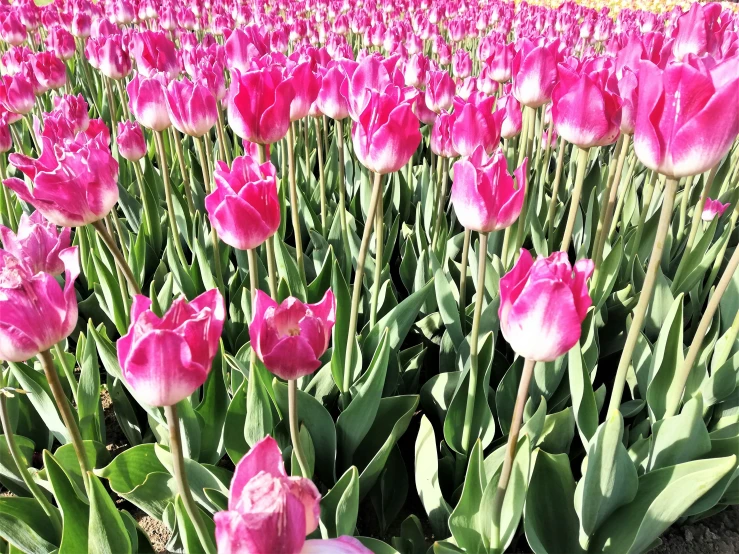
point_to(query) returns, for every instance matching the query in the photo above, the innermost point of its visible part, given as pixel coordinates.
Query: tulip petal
(263, 456)
(341, 545)
(260, 304)
(291, 357)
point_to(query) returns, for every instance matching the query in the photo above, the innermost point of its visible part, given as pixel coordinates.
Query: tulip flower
(584, 111)
(386, 134)
(74, 109)
(500, 62)
(484, 195)
(290, 337)
(61, 43)
(155, 53)
(49, 70)
(686, 117)
(6, 140)
(17, 94)
(439, 91)
(192, 107)
(333, 97)
(534, 74)
(35, 312)
(441, 136)
(244, 208)
(462, 64)
(12, 30)
(147, 98)
(694, 35)
(264, 117)
(38, 244)
(628, 90)
(543, 304)
(113, 59)
(75, 182)
(512, 117)
(306, 92)
(476, 124)
(243, 46)
(165, 359)
(131, 142)
(268, 511)
(713, 209)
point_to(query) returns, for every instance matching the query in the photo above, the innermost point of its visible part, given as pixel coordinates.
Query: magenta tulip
(61, 43)
(49, 70)
(165, 359)
(113, 59)
(713, 209)
(244, 208)
(333, 97)
(35, 312)
(12, 30)
(192, 107)
(512, 116)
(271, 512)
(687, 116)
(6, 140)
(484, 195)
(259, 104)
(439, 91)
(290, 337)
(476, 124)
(75, 182)
(17, 94)
(38, 243)
(131, 142)
(155, 53)
(543, 304)
(147, 98)
(534, 74)
(628, 90)
(307, 91)
(441, 136)
(74, 109)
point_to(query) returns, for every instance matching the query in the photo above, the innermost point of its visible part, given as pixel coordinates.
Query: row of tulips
(275, 178)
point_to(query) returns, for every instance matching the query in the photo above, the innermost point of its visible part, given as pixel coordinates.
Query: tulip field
(348, 277)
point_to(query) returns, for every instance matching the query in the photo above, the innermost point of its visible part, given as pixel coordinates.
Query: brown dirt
(718, 534)
(155, 529)
(117, 442)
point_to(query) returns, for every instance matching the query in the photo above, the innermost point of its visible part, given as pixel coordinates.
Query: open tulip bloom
(298, 257)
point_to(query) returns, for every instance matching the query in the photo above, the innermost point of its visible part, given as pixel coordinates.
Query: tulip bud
(113, 60)
(192, 107)
(290, 337)
(441, 136)
(17, 94)
(165, 359)
(713, 209)
(534, 74)
(543, 304)
(35, 312)
(439, 91)
(131, 143)
(147, 98)
(37, 243)
(333, 97)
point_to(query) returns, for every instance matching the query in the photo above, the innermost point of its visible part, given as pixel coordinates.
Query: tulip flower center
(287, 318)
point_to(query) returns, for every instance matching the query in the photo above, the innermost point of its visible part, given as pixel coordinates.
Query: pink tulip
(439, 91)
(263, 118)
(192, 107)
(37, 243)
(243, 46)
(476, 124)
(687, 116)
(74, 109)
(147, 98)
(12, 30)
(462, 64)
(534, 74)
(155, 53)
(290, 337)
(75, 181)
(306, 92)
(584, 111)
(49, 70)
(416, 70)
(61, 43)
(131, 143)
(113, 59)
(484, 195)
(35, 312)
(244, 208)
(333, 97)
(17, 94)
(6, 140)
(713, 209)
(81, 25)
(165, 359)
(694, 34)
(270, 512)
(513, 117)
(500, 62)
(628, 90)
(386, 133)
(543, 304)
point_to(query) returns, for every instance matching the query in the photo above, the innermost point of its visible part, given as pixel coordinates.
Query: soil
(718, 534)
(156, 530)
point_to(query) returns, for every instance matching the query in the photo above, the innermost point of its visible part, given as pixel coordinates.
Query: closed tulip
(333, 97)
(155, 53)
(74, 109)
(12, 30)
(131, 143)
(534, 74)
(512, 122)
(17, 94)
(192, 107)
(165, 359)
(50, 71)
(306, 92)
(484, 195)
(244, 208)
(35, 311)
(269, 511)
(439, 91)
(290, 337)
(259, 104)
(75, 182)
(628, 90)
(38, 243)
(476, 124)
(61, 42)
(687, 116)
(543, 304)
(147, 98)
(113, 59)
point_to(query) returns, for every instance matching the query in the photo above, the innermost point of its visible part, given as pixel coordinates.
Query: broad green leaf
(448, 303)
(466, 521)
(75, 512)
(25, 525)
(427, 479)
(186, 529)
(376, 546)
(340, 506)
(583, 397)
(106, 532)
(89, 408)
(667, 357)
(679, 438)
(233, 429)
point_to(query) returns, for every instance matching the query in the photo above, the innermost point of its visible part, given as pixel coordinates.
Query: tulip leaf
(465, 522)
(662, 497)
(391, 490)
(680, 438)
(340, 506)
(408, 265)
(107, 533)
(65, 455)
(427, 479)
(448, 302)
(607, 274)
(288, 270)
(25, 526)
(233, 428)
(186, 529)
(89, 407)
(666, 359)
(354, 422)
(124, 412)
(376, 546)
(10, 477)
(583, 397)
(341, 327)
(75, 512)
(110, 290)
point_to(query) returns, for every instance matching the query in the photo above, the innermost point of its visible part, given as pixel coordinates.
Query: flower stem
(648, 193)
(720, 258)
(47, 363)
(645, 295)
(68, 372)
(469, 412)
(162, 155)
(180, 475)
(622, 196)
(291, 138)
(358, 277)
(222, 150)
(122, 95)
(379, 238)
(321, 176)
(269, 243)
(440, 201)
(177, 139)
(213, 234)
(582, 162)
(555, 191)
(684, 208)
(681, 377)
(463, 280)
(17, 456)
(604, 221)
(510, 453)
(117, 255)
(339, 132)
(527, 153)
(695, 224)
(292, 401)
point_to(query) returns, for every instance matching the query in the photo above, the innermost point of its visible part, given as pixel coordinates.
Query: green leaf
(75, 512)
(89, 407)
(388, 496)
(663, 496)
(583, 397)
(186, 529)
(233, 429)
(608, 273)
(427, 479)
(340, 506)
(448, 304)
(610, 478)
(288, 270)
(466, 521)
(550, 521)
(25, 525)
(667, 357)
(354, 422)
(106, 531)
(97, 455)
(341, 327)
(111, 293)
(679, 438)
(259, 418)
(558, 432)
(377, 546)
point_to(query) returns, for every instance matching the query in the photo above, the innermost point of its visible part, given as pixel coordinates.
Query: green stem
(111, 110)
(440, 201)
(120, 260)
(339, 132)
(162, 155)
(555, 191)
(358, 277)
(294, 200)
(321, 176)
(684, 208)
(177, 139)
(292, 402)
(621, 194)
(582, 163)
(707, 182)
(122, 94)
(510, 453)
(645, 295)
(223, 152)
(647, 201)
(379, 238)
(524, 218)
(469, 412)
(213, 233)
(47, 363)
(180, 475)
(12, 219)
(142, 192)
(681, 377)
(68, 372)
(612, 184)
(463, 280)
(269, 243)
